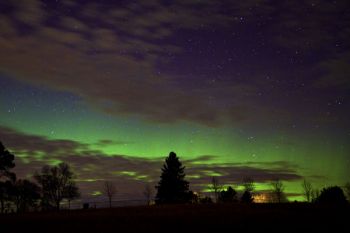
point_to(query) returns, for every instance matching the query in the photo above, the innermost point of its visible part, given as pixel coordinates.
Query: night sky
(237, 89)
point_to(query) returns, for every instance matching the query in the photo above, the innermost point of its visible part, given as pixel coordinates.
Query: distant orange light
(261, 198)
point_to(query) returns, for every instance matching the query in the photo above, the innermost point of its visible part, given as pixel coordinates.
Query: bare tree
(216, 188)
(248, 184)
(278, 190)
(307, 190)
(315, 193)
(54, 182)
(25, 195)
(109, 189)
(148, 193)
(71, 193)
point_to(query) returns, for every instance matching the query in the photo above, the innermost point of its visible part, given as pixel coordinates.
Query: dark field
(184, 218)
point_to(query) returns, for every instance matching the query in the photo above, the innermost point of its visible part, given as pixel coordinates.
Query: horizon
(254, 89)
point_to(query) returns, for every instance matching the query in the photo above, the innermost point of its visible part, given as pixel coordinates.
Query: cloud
(130, 173)
(33, 144)
(320, 28)
(30, 13)
(112, 61)
(236, 172)
(334, 72)
(201, 159)
(308, 24)
(108, 142)
(121, 62)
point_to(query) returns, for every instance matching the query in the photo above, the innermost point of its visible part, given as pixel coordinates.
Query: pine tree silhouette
(6, 161)
(172, 187)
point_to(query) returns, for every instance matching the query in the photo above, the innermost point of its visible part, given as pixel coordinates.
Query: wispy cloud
(129, 172)
(115, 61)
(111, 61)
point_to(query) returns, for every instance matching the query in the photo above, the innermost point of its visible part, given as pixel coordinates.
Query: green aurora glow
(235, 88)
(312, 152)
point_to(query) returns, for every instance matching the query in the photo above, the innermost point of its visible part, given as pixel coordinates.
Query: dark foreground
(186, 218)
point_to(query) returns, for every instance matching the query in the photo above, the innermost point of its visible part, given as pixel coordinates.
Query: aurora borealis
(236, 88)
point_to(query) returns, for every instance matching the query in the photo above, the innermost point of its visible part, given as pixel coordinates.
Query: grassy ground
(185, 218)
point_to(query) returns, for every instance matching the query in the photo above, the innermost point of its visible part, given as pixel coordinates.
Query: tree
(307, 190)
(192, 197)
(6, 176)
(109, 189)
(6, 161)
(278, 191)
(71, 192)
(331, 195)
(5, 193)
(216, 188)
(228, 195)
(172, 187)
(247, 197)
(315, 193)
(347, 190)
(148, 193)
(205, 200)
(248, 184)
(54, 182)
(25, 194)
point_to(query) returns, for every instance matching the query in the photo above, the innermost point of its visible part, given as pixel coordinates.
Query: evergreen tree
(6, 162)
(172, 187)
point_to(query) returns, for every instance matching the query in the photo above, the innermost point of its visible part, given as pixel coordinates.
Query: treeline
(53, 184)
(173, 188)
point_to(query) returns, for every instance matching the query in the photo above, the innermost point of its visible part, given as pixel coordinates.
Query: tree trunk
(69, 204)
